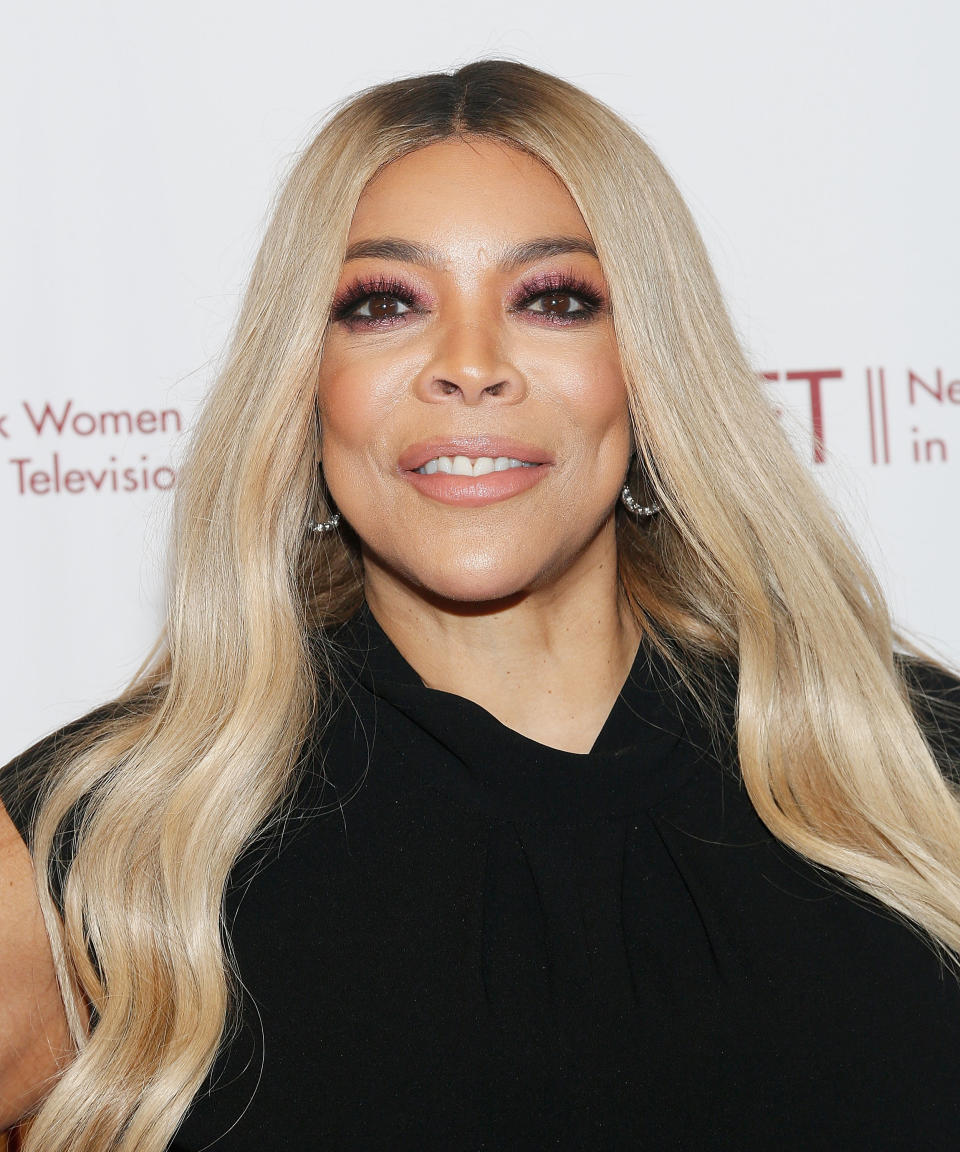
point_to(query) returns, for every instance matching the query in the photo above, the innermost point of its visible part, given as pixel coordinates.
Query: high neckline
(634, 761)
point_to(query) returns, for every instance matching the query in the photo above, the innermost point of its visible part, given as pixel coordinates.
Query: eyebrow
(511, 259)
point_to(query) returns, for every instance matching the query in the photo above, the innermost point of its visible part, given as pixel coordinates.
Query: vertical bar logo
(879, 421)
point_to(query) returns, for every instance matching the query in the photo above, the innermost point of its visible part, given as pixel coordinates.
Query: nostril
(471, 391)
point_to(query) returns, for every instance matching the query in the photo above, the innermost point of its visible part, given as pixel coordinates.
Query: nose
(468, 366)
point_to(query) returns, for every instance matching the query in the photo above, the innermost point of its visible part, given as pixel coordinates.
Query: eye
(382, 306)
(559, 298)
(375, 302)
(557, 304)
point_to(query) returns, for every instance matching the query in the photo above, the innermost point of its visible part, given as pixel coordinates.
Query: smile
(464, 466)
(472, 471)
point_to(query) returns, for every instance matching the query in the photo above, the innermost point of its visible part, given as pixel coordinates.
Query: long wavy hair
(165, 787)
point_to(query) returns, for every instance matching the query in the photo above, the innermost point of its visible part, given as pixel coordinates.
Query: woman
(590, 778)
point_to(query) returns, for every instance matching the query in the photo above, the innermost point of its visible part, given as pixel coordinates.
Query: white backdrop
(816, 144)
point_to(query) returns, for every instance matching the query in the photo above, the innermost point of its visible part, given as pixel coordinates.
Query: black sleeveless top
(465, 940)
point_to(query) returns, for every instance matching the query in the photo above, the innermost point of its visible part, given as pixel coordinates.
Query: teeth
(464, 466)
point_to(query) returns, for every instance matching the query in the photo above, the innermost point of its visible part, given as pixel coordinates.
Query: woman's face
(471, 334)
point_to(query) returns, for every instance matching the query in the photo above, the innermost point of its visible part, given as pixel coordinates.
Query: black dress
(465, 940)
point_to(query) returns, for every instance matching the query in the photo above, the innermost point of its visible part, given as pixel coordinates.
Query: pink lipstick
(473, 470)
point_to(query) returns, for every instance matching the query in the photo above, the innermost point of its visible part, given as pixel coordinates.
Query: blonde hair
(168, 784)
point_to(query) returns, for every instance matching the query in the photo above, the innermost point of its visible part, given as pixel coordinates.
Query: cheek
(346, 414)
(353, 399)
(589, 392)
(356, 398)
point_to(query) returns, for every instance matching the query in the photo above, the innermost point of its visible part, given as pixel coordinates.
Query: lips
(474, 491)
(416, 455)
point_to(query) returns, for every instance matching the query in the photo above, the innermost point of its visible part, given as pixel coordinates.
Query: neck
(548, 663)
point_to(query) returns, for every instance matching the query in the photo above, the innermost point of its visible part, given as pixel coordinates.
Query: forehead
(457, 190)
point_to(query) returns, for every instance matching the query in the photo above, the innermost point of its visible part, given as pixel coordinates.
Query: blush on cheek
(357, 396)
(603, 397)
(345, 415)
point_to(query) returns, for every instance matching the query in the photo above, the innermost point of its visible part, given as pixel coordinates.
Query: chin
(469, 585)
(475, 570)
(460, 589)
(477, 579)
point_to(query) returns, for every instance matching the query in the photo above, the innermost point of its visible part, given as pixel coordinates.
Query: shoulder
(928, 676)
(23, 779)
(933, 692)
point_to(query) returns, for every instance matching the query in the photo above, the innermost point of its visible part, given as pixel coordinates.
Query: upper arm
(34, 1037)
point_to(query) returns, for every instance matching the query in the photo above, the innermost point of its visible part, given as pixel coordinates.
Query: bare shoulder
(34, 1037)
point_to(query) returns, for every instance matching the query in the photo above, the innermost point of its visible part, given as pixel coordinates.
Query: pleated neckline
(642, 752)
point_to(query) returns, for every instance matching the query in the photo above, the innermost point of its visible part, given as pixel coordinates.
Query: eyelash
(551, 283)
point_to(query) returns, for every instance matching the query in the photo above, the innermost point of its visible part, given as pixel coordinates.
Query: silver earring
(637, 509)
(326, 526)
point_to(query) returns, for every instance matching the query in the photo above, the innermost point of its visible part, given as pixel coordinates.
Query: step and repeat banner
(815, 144)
